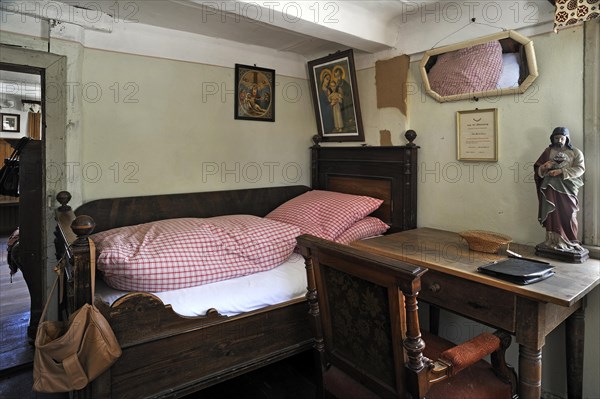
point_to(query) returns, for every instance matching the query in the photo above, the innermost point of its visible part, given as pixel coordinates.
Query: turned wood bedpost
(63, 237)
(64, 215)
(72, 237)
(82, 226)
(313, 311)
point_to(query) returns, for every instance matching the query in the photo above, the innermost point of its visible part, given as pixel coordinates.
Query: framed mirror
(494, 65)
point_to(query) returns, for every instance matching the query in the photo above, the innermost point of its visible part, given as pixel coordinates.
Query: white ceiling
(18, 85)
(311, 28)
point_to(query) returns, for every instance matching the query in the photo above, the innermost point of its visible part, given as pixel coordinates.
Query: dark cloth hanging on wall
(34, 126)
(9, 174)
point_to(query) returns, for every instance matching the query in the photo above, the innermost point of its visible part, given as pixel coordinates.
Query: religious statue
(558, 177)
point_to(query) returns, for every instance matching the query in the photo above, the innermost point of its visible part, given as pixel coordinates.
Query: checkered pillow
(367, 227)
(179, 253)
(468, 70)
(324, 214)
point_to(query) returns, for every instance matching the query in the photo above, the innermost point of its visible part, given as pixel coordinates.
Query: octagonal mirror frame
(528, 72)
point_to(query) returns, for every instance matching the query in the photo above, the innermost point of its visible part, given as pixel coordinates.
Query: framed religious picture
(254, 93)
(477, 135)
(332, 80)
(11, 123)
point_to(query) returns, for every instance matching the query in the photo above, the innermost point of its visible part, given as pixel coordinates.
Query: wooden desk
(528, 312)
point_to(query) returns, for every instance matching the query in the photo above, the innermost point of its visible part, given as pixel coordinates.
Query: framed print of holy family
(334, 90)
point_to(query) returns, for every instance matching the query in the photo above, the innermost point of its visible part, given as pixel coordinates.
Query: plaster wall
(501, 196)
(155, 125)
(498, 196)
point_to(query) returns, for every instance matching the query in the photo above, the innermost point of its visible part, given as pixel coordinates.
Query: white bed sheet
(231, 297)
(510, 71)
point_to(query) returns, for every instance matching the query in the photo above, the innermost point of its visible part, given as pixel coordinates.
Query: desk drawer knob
(435, 287)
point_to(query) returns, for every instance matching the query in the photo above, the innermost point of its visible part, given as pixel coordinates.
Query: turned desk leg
(575, 334)
(530, 373)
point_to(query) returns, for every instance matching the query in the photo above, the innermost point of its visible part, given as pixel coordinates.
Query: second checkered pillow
(325, 214)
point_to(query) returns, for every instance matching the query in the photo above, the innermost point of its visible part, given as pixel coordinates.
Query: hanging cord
(471, 22)
(51, 24)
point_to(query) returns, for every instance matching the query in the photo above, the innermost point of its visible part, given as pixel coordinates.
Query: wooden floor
(15, 350)
(292, 378)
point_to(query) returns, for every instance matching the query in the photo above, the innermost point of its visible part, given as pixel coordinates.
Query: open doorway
(41, 255)
(21, 113)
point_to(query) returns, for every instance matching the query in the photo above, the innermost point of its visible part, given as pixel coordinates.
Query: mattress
(231, 297)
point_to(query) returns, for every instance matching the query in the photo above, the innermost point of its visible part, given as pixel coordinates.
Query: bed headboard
(387, 173)
(127, 211)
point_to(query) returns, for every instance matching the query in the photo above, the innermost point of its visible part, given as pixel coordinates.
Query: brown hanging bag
(68, 355)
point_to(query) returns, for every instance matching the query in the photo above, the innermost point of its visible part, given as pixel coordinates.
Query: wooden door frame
(53, 70)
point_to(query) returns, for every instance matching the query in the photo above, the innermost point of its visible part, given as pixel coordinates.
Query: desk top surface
(447, 252)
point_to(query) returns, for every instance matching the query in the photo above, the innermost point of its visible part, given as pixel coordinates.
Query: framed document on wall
(477, 135)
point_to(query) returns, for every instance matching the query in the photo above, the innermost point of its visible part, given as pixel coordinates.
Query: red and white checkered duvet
(180, 253)
(468, 70)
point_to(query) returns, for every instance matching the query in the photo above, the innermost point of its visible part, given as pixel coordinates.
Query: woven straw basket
(485, 241)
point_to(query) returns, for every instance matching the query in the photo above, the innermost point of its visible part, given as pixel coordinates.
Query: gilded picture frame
(254, 93)
(332, 81)
(477, 135)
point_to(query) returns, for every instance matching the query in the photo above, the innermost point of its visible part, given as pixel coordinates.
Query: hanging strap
(92, 268)
(59, 271)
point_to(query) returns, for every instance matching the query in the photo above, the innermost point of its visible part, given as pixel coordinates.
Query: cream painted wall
(498, 196)
(501, 196)
(154, 126)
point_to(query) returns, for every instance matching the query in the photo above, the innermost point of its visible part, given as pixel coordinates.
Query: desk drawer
(473, 300)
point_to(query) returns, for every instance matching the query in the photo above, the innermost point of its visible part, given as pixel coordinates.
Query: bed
(169, 355)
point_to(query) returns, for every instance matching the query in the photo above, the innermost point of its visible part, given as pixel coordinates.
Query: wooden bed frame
(166, 355)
